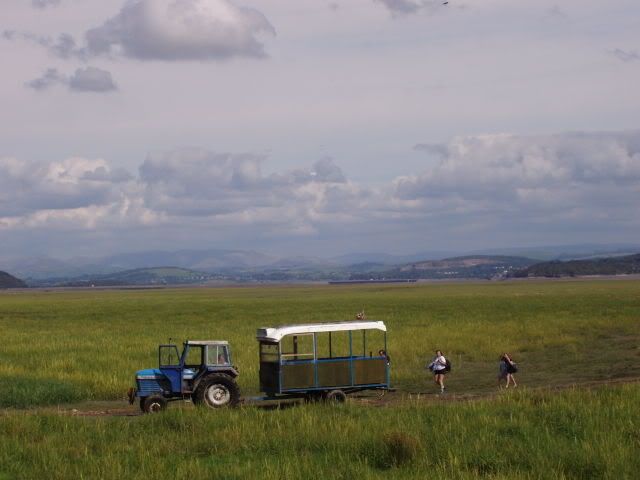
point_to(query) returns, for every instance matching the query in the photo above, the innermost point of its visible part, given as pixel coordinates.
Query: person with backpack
(439, 366)
(507, 368)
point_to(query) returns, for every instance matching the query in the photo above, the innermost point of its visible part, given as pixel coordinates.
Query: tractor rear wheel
(216, 391)
(153, 404)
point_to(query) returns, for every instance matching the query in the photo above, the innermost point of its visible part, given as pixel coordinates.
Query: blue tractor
(203, 373)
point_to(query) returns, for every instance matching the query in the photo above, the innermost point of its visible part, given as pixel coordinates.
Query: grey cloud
(401, 6)
(64, 47)
(406, 7)
(106, 174)
(199, 182)
(625, 55)
(557, 13)
(44, 3)
(91, 79)
(184, 30)
(437, 149)
(29, 187)
(49, 78)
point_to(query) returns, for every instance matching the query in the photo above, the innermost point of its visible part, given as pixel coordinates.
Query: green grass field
(59, 348)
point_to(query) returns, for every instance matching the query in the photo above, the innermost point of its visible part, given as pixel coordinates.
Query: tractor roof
(207, 342)
(276, 334)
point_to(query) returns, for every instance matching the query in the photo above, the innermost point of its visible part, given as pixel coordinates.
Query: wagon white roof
(275, 334)
(207, 342)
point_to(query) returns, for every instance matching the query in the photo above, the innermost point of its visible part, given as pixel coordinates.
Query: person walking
(438, 367)
(507, 368)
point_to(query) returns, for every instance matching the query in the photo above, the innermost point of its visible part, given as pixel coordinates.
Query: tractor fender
(228, 371)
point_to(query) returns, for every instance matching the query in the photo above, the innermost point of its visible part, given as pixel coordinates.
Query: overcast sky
(315, 127)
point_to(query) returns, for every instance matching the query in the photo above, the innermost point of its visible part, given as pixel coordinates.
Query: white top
(439, 363)
(207, 342)
(277, 333)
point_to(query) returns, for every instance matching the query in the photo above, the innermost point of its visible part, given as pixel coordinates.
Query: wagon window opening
(297, 347)
(332, 344)
(269, 352)
(358, 343)
(375, 342)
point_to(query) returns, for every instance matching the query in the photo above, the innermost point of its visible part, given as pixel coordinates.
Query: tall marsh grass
(529, 435)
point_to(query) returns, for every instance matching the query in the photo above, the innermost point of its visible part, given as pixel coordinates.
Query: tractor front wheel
(153, 404)
(216, 391)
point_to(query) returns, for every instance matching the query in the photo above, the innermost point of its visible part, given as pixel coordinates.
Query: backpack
(447, 367)
(512, 367)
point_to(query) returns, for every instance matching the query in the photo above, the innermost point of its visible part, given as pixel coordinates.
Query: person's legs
(513, 379)
(441, 382)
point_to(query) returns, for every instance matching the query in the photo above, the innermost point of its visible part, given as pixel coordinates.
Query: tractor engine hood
(150, 374)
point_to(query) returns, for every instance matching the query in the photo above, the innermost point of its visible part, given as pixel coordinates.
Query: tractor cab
(197, 357)
(182, 375)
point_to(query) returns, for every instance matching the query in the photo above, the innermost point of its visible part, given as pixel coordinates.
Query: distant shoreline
(443, 281)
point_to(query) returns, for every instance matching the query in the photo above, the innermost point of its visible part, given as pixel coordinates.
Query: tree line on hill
(626, 265)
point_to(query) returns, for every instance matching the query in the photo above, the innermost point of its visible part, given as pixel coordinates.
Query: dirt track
(122, 409)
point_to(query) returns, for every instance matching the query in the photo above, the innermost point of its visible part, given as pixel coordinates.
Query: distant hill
(139, 276)
(9, 281)
(472, 266)
(42, 267)
(246, 265)
(626, 265)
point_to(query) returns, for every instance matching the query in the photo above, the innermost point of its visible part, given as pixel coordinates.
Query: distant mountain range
(139, 276)
(196, 266)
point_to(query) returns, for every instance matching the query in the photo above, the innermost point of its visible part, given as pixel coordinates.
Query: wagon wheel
(336, 396)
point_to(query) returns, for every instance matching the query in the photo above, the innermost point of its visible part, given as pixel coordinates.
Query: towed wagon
(318, 361)
(323, 360)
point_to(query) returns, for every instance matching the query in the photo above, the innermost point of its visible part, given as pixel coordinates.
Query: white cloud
(181, 30)
(491, 186)
(555, 174)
